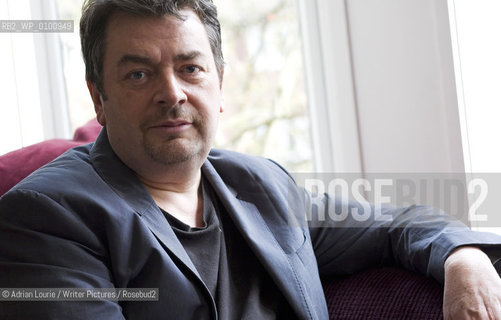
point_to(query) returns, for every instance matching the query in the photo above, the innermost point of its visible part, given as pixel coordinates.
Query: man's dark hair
(96, 15)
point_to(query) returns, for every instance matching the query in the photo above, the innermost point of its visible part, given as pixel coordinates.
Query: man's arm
(44, 245)
(349, 236)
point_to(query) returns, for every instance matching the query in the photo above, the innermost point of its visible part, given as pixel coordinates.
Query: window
(476, 27)
(264, 90)
(80, 105)
(33, 95)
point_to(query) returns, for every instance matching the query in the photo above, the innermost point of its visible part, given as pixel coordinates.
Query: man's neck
(180, 198)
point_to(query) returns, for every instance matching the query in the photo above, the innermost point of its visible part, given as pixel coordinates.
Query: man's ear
(97, 99)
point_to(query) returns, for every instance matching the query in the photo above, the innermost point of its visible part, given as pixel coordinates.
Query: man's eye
(137, 75)
(192, 69)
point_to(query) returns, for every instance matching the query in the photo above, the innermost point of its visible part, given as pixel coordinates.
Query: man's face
(163, 95)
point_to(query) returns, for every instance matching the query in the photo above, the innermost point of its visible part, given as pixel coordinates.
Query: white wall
(393, 77)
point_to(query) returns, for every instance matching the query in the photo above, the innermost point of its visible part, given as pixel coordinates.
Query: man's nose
(170, 91)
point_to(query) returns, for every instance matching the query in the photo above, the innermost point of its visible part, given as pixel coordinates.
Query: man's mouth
(172, 126)
(175, 123)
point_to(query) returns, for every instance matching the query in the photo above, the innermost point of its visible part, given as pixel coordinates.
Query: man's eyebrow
(145, 60)
(188, 55)
(134, 58)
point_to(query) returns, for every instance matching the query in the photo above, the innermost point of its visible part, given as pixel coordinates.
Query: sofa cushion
(18, 164)
(88, 132)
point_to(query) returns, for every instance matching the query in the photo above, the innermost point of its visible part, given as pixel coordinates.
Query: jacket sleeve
(349, 236)
(45, 245)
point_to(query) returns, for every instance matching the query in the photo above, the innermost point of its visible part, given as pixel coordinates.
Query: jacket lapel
(261, 240)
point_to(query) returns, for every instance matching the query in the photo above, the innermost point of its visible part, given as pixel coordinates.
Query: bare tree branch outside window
(265, 98)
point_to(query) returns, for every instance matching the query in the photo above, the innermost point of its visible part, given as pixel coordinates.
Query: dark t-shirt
(241, 287)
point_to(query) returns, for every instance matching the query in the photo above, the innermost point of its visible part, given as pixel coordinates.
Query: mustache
(177, 113)
(174, 113)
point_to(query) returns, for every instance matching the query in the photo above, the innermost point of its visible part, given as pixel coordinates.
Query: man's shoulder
(224, 160)
(232, 156)
(69, 170)
(244, 171)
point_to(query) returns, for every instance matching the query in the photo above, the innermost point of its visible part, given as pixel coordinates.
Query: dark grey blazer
(85, 221)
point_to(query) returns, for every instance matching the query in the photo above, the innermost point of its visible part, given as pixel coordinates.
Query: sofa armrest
(384, 293)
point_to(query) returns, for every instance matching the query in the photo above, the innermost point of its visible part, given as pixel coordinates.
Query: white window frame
(49, 55)
(330, 87)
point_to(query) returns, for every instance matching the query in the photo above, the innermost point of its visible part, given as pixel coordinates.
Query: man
(222, 235)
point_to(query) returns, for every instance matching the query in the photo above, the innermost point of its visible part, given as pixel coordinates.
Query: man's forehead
(146, 36)
(131, 21)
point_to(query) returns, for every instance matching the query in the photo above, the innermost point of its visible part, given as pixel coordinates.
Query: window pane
(265, 101)
(478, 48)
(475, 27)
(20, 113)
(80, 105)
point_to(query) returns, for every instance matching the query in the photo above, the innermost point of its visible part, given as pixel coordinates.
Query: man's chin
(173, 153)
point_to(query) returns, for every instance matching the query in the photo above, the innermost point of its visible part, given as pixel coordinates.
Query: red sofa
(380, 293)
(18, 164)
